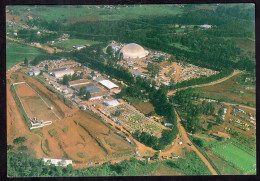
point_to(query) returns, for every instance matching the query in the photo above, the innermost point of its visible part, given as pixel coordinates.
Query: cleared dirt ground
(14, 18)
(33, 104)
(78, 135)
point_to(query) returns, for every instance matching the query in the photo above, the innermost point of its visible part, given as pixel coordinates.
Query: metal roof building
(61, 73)
(78, 82)
(93, 89)
(137, 73)
(108, 84)
(111, 103)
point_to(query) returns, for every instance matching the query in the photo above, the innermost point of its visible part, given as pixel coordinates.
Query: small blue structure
(93, 89)
(138, 73)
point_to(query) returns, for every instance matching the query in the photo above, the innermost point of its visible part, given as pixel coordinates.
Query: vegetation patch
(240, 158)
(53, 133)
(65, 130)
(68, 44)
(191, 165)
(17, 52)
(81, 155)
(231, 90)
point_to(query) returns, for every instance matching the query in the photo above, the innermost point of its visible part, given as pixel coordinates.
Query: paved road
(185, 140)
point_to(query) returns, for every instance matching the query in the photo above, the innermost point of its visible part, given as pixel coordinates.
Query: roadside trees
(26, 62)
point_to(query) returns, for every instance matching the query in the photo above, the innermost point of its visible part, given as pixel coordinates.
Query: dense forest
(185, 101)
(210, 48)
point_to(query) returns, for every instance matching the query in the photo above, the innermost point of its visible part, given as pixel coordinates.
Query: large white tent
(133, 50)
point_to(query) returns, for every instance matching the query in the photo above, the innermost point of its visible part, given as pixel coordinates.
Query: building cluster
(130, 118)
(189, 71)
(58, 64)
(99, 87)
(246, 121)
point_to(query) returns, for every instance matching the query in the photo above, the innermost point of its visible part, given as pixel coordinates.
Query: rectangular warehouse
(93, 89)
(111, 103)
(108, 84)
(78, 82)
(61, 73)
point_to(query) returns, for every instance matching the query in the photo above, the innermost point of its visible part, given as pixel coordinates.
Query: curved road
(207, 84)
(186, 140)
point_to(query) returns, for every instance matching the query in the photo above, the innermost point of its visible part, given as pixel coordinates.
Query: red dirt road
(186, 140)
(207, 84)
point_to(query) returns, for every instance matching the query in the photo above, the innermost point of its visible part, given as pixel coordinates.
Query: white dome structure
(133, 50)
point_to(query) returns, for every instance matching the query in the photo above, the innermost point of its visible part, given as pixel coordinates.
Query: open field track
(78, 135)
(33, 104)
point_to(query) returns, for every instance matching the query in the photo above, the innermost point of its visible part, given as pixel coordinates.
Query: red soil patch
(73, 142)
(14, 18)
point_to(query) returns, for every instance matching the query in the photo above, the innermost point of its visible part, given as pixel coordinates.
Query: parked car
(189, 144)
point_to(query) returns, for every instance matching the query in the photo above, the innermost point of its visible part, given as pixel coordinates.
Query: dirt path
(16, 40)
(240, 105)
(207, 84)
(177, 71)
(38, 45)
(185, 140)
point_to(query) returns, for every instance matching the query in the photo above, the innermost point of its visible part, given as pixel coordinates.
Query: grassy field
(144, 107)
(236, 156)
(68, 44)
(246, 44)
(180, 46)
(122, 12)
(190, 165)
(222, 165)
(17, 53)
(231, 90)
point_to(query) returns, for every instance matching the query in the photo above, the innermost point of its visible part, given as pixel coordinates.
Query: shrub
(22, 148)
(10, 147)
(19, 140)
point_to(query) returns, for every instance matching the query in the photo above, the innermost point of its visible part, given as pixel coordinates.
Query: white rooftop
(57, 162)
(108, 84)
(111, 103)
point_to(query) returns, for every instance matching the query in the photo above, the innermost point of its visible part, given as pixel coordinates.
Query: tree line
(185, 101)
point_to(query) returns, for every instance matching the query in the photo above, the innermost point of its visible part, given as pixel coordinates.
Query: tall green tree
(82, 91)
(87, 96)
(66, 79)
(109, 51)
(26, 63)
(46, 67)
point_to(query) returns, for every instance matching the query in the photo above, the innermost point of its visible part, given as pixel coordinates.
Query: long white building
(61, 73)
(108, 84)
(56, 162)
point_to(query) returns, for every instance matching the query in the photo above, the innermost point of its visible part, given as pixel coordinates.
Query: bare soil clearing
(78, 136)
